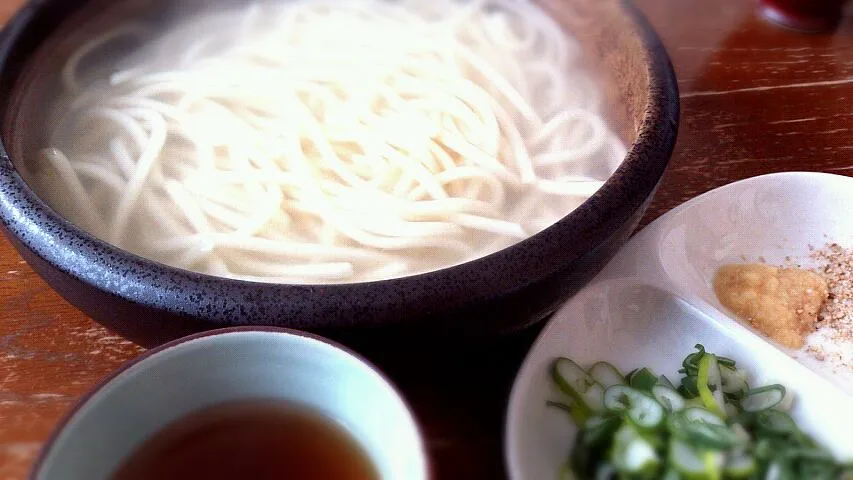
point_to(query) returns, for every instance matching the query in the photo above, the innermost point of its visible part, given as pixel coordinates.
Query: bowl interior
(612, 47)
(136, 296)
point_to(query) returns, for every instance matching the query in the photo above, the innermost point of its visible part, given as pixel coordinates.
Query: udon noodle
(325, 141)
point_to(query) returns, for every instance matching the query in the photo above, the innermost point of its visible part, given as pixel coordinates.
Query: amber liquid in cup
(807, 15)
(257, 440)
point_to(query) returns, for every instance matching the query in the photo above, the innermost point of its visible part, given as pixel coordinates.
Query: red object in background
(807, 15)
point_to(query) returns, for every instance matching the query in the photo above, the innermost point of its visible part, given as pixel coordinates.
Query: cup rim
(66, 418)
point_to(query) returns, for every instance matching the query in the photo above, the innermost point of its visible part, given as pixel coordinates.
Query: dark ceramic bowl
(514, 288)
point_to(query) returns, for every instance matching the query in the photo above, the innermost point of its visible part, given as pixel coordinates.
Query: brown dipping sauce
(250, 439)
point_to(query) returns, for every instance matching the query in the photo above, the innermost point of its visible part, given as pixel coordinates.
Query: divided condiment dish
(655, 301)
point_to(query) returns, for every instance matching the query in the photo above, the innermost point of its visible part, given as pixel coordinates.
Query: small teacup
(208, 369)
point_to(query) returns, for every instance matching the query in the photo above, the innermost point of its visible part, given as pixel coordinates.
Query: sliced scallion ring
(642, 410)
(664, 382)
(594, 397)
(709, 384)
(642, 379)
(668, 397)
(618, 398)
(733, 381)
(701, 415)
(689, 387)
(703, 429)
(726, 362)
(774, 421)
(691, 362)
(572, 380)
(684, 460)
(632, 453)
(606, 375)
(763, 398)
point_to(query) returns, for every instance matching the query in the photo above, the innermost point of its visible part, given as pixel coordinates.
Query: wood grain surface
(756, 99)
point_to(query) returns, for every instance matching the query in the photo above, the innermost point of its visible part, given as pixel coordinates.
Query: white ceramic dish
(655, 300)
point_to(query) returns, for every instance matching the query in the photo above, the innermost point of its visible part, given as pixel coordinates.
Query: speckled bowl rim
(38, 464)
(154, 285)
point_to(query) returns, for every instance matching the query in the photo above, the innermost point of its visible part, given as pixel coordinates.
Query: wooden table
(755, 99)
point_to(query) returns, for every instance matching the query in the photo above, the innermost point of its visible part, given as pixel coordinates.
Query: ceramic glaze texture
(509, 290)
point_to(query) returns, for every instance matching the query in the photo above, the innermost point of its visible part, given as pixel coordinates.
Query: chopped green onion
(632, 454)
(691, 362)
(664, 382)
(593, 398)
(712, 427)
(642, 379)
(669, 398)
(606, 375)
(600, 428)
(688, 387)
(734, 381)
(684, 460)
(618, 398)
(642, 410)
(776, 422)
(702, 428)
(763, 398)
(709, 383)
(700, 415)
(727, 362)
(584, 458)
(574, 382)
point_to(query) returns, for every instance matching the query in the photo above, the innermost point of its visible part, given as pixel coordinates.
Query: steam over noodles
(328, 141)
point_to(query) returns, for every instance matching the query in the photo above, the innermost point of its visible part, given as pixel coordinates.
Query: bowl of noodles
(401, 165)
